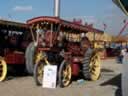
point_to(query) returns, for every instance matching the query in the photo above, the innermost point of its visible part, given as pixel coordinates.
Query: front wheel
(3, 69)
(38, 72)
(65, 74)
(91, 65)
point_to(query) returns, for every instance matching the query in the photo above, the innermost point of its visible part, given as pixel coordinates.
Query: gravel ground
(107, 85)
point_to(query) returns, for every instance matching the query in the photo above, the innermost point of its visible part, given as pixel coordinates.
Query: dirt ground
(108, 85)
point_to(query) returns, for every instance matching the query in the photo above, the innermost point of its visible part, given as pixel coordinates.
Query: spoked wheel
(91, 65)
(3, 69)
(95, 67)
(38, 69)
(65, 74)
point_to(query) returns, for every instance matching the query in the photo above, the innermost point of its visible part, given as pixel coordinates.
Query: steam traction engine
(14, 38)
(62, 43)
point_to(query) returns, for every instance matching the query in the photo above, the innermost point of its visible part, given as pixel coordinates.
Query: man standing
(123, 51)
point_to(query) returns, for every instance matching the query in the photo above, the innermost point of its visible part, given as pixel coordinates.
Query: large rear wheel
(29, 57)
(65, 74)
(3, 69)
(91, 65)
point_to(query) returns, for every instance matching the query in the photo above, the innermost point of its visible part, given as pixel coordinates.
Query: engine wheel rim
(40, 72)
(94, 67)
(39, 59)
(66, 75)
(3, 69)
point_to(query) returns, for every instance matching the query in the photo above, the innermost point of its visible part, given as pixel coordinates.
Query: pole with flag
(105, 26)
(125, 25)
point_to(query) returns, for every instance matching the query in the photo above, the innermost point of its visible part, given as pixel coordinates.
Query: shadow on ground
(116, 81)
(16, 71)
(106, 70)
(11, 76)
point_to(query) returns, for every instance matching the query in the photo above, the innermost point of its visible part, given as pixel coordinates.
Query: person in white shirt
(122, 54)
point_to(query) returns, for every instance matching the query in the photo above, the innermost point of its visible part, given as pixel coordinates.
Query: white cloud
(22, 8)
(88, 19)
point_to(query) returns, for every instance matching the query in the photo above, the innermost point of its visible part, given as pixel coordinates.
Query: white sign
(49, 76)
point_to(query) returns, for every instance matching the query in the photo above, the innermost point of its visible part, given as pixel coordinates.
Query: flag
(105, 26)
(124, 21)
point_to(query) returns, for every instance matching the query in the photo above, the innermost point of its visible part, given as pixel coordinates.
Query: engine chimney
(57, 8)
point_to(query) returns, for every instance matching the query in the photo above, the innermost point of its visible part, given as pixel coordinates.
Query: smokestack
(57, 8)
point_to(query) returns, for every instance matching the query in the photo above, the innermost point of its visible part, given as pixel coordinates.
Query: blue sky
(91, 11)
